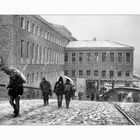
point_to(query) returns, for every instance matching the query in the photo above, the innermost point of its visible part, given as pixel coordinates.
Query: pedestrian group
(15, 90)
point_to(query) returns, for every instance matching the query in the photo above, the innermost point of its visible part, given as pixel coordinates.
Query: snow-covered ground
(32, 112)
(133, 109)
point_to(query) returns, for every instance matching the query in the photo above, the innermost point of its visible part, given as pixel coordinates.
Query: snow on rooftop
(92, 43)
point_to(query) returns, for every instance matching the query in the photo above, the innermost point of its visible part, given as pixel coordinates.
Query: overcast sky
(119, 28)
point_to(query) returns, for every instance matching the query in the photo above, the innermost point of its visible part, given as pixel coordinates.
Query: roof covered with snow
(94, 44)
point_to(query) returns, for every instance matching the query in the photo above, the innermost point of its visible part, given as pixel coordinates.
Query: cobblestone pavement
(32, 112)
(133, 109)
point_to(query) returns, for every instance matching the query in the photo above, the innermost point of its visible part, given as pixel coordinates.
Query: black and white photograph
(69, 70)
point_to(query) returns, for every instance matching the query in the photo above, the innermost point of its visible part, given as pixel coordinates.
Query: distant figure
(68, 92)
(120, 97)
(130, 97)
(15, 87)
(92, 94)
(80, 95)
(97, 96)
(73, 92)
(59, 91)
(45, 87)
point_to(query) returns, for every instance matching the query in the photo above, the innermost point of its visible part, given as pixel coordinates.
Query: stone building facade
(37, 48)
(31, 44)
(98, 62)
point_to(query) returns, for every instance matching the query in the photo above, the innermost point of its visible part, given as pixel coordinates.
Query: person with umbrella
(15, 88)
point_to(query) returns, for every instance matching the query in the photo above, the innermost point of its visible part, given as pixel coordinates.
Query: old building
(31, 44)
(37, 48)
(98, 62)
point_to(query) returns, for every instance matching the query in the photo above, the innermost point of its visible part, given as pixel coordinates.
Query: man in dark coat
(45, 87)
(15, 87)
(68, 92)
(59, 91)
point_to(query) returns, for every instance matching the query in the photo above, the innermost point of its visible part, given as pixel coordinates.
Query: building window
(28, 76)
(119, 57)
(88, 57)
(128, 57)
(49, 56)
(127, 74)
(104, 57)
(88, 72)
(45, 36)
(48, 36)
(38, 30)
(95, 57)
(36, 53)
(22, 48)
(32, 50)
(33, 77)
(28, 26)
(95, 72)
(73, 57)
(66, 57)
(80, 72)
(80, 57)
(37, 76)
(41, 32)
(119, 73)
(33, 28)
(73, 73)
(41, 75)
(28, 49)
(22, 22)
(51, 37)
(44, 51)
(111, 57)
(111, 74)
(103, 73)
(66, 72)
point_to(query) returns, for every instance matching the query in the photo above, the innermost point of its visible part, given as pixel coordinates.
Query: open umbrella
(11, 71)
(65, 78)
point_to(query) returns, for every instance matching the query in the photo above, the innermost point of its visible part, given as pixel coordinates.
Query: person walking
(59, 91)
(15, 90)
(80, 95)
(45, 87)
(68, 92)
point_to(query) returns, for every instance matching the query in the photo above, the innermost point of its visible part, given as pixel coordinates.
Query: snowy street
(32, 112)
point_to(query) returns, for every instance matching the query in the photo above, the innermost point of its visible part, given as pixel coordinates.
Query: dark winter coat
(70, 89)
(45, 86)
(15, 86)
(59, 88)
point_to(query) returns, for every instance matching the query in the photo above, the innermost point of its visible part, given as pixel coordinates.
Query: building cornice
(99, 48)
(51, 26)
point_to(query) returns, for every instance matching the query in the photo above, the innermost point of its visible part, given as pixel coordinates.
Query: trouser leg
(59, 100)
(47, 99)
(67, 100)
(11, 101)
(44, 100)
(17, 100)
(69, 97)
